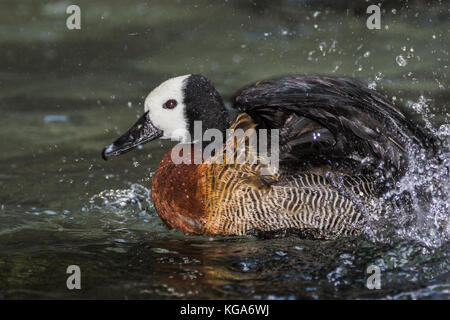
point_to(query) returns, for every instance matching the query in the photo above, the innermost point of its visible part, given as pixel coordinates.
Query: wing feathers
(328, 117)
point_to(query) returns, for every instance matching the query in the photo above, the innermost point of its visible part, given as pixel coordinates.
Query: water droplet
(322, 46)
(444, 130)
(280, 253)
(379, 76)
(401, 61)
(245, 267)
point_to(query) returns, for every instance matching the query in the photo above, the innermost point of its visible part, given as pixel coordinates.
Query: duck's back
(324, 119)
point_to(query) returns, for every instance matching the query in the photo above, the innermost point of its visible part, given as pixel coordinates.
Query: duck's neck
(177, 192)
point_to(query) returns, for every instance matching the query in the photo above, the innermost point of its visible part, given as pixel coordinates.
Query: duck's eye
(170, 104)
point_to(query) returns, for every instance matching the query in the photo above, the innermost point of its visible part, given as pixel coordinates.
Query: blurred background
(65, 94)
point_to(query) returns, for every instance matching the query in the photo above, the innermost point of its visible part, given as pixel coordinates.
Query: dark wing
(329, 118)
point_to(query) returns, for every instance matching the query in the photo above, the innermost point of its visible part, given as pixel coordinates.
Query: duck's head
(170, 112)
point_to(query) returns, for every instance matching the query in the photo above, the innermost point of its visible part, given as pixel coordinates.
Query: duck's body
(218, 200)
(335, 135)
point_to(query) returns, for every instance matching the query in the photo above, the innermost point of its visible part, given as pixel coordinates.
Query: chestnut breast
(177, 193)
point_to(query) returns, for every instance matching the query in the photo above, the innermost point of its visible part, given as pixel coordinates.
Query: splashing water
(122, 202)
(424, 217)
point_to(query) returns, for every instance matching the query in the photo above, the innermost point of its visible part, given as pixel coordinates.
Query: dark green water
(64, 95)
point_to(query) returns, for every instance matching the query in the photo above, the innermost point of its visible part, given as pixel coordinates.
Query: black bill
(141, 132)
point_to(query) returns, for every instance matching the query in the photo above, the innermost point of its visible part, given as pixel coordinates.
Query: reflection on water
(66, 94)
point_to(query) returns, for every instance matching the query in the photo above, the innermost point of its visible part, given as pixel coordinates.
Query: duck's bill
(141, 132)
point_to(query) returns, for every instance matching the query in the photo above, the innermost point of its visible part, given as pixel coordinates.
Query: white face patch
(172, 122)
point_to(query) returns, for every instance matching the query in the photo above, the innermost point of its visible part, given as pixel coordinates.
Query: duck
(338, 142)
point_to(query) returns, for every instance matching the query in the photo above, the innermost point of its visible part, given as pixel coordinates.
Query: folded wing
(330, 118)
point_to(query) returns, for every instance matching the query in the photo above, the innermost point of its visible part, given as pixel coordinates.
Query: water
(66, 94)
